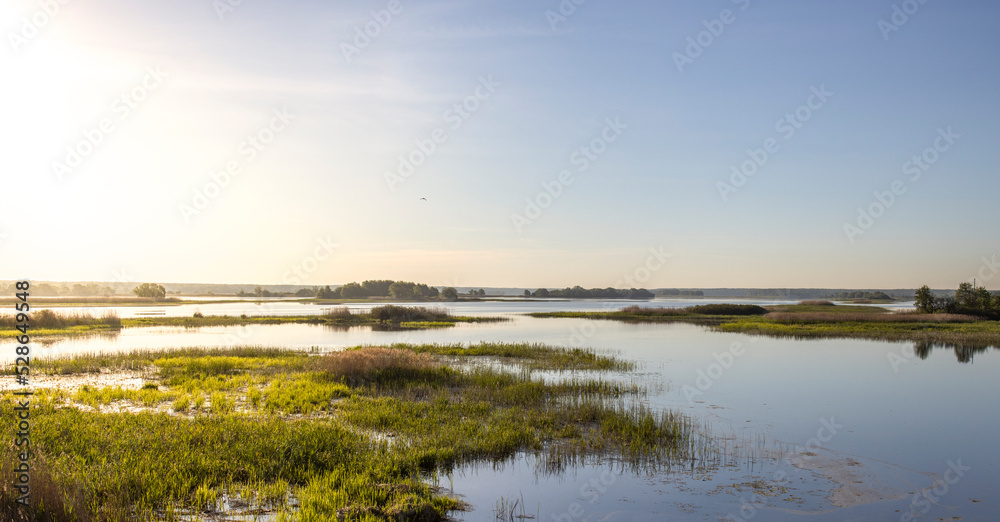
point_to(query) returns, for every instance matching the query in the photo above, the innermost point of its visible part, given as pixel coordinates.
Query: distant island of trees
(386, 288)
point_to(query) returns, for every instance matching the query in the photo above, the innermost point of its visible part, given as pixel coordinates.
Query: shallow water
(881, 423)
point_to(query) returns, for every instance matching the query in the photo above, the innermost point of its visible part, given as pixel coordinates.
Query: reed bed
(48, 319)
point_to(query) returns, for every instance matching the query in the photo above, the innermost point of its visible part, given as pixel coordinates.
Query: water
(250, 306)
(883, 423)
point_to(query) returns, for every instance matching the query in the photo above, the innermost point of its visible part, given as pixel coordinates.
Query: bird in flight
(423, 199)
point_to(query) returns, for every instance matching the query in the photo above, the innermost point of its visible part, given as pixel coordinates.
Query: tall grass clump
(50, 499)
(341, 312)
(373, 364)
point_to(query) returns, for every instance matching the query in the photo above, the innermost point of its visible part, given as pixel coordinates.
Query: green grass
(264, 424)
(976, 333)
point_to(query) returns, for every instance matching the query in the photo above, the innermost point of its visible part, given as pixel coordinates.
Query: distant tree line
(75, 290)
(385, 288)
(968, 299)
(673, 292)
(874, 296)
(262, 292)
(578, 292)
(783, 293)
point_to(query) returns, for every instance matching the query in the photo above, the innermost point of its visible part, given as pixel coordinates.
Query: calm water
(890, 430)
(278, 307)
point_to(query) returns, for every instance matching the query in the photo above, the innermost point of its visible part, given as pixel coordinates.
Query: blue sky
(215, 77)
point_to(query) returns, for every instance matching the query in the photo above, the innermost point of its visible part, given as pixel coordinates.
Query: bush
(341, 312)
(399, 314)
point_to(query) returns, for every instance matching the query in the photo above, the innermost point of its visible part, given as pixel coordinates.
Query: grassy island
(49, 323)
(351, 435)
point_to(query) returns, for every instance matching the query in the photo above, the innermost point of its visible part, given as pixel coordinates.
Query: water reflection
(964, 352)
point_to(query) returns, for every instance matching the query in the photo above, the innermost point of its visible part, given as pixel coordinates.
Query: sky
(723, 143)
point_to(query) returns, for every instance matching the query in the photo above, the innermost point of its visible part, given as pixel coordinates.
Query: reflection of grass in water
(315, 427)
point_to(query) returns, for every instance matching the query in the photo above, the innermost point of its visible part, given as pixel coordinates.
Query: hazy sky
(121, 117)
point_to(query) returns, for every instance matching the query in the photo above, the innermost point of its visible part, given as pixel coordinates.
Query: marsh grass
(957, 331)
(135, 360)
(854, 317)
(97, 397)
(271, 425)
(303, 394)
(821, 307)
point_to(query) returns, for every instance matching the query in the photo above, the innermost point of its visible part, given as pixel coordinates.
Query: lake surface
(890, 435)
(250, 306)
